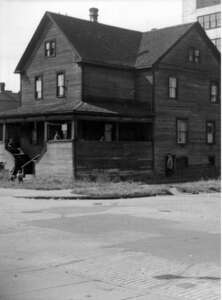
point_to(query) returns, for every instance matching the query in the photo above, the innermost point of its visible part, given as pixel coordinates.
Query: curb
(88, 197)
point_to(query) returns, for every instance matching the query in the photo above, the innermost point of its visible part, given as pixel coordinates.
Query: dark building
(8, 99)
(101, 99)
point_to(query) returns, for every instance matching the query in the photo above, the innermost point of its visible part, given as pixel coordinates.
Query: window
(210, 21)
(60, 85)
(217, 43)
(50, 48)
(172, 88)
(182, 131)
(59, 130)
(214, 93)
(206, 3)
(210, 132)
(194, 55)
(38, 87)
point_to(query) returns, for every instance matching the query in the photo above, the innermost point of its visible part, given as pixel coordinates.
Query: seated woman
(12, 147)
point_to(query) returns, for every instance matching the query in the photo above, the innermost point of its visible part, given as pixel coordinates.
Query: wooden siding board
(48, 67)
(108, 83)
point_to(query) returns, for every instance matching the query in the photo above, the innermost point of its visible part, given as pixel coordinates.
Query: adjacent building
(8, 99)
(208, 14)
(98, 99)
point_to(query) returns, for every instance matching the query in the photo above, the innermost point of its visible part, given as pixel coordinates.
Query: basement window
(50, 48)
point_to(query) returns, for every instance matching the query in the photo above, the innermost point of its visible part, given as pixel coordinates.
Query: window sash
(182, 131)
(50, 48)
(60, 86)
(214, 93)
(210, 21)
(38, 87)
(172, 87)
(210, 132)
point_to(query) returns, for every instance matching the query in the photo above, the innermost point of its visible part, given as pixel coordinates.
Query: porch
(78, 146)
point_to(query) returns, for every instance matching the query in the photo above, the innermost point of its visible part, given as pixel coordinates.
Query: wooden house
(102, 99)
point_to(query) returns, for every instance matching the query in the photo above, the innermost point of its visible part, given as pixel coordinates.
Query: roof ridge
(97, 23)
(170, 27)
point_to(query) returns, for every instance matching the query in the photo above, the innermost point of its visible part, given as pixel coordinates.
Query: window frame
(203, 20)
(57, 86)
(192, 55)
(35, 91)
(218, 92)
(177, 131)
(214, 132)
(171, 87)
(50, 42)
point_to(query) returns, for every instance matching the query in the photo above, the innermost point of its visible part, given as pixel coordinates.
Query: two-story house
(102, 99)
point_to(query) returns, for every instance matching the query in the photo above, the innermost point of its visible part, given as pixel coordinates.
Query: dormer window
(194, 55)
(50, 48)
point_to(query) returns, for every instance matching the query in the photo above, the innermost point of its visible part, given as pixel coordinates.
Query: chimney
(93, 14)
(2, 87)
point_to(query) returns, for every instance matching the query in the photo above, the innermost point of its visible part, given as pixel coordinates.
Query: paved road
(157, 248)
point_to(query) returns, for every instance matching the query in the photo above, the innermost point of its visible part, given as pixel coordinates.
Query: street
(155, 248)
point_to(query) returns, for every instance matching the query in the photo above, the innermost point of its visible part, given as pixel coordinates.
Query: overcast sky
(19, 19)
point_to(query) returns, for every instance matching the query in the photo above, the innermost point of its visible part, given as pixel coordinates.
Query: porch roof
(94, 108)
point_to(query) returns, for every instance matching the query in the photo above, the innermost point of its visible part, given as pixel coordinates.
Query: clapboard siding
(144, 86)
(113, 155)
(38, 64)
(108, 83)
(178, 55)
(192, 104)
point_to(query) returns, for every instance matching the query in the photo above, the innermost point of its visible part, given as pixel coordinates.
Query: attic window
(194, 55)
(50, 48)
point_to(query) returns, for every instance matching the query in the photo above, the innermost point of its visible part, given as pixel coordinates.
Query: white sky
(19, 19)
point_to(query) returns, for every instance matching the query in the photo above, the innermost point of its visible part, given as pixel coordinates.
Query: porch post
(74, 150)
(4, 133)
(45, 131)
(117, 131)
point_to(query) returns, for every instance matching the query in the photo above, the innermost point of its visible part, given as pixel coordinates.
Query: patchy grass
(202, 186)
(107, 189)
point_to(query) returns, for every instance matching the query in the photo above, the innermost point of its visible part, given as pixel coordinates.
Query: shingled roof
(104, 44)
(98, 108)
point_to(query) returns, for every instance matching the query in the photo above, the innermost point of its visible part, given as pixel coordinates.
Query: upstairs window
(60, 85)
(182, 131)
(210, 21)
(50, 48)
(194, 55)
(210, 132)
(214, 92)
(38, 87)
(172, 87)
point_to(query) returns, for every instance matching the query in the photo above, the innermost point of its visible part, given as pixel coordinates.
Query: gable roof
(104, 44)
(155, 43)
